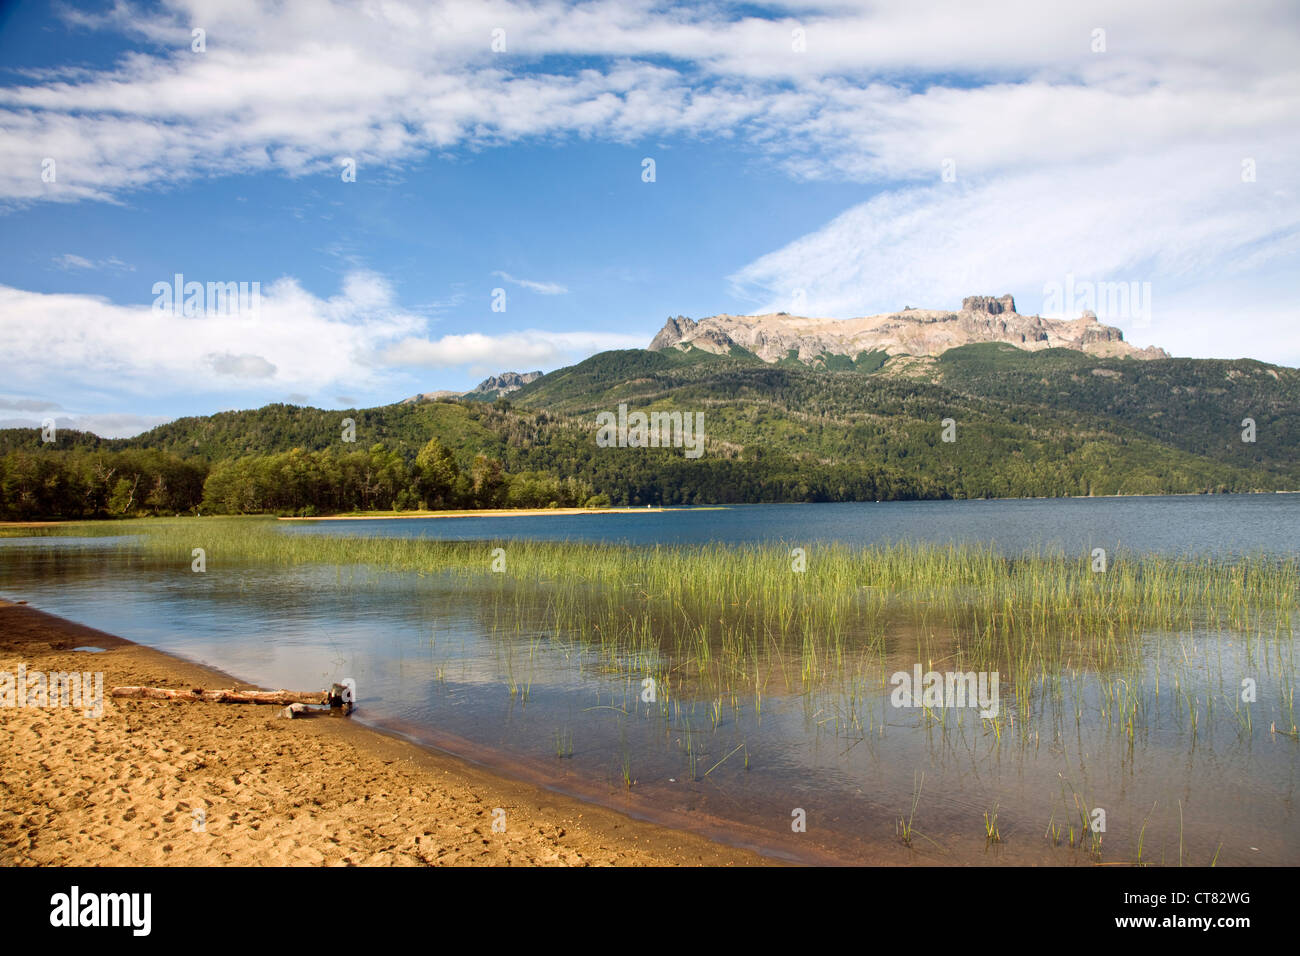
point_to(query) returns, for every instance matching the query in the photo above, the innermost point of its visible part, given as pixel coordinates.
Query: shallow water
(451, 666)
(1172, 525)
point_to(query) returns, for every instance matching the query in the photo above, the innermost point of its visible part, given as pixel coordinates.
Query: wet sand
(122, 789)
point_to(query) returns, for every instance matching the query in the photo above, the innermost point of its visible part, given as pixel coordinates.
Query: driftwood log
(277, 697)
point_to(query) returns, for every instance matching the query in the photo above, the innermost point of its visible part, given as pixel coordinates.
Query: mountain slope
(1026, 423)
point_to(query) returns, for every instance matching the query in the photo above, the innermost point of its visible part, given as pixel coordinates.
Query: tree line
(97, 483)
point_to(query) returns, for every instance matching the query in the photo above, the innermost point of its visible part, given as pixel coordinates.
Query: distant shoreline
(482, 513)
(535, 512)
(532, 512)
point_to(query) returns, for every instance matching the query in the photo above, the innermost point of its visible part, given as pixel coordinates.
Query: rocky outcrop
(430, 396)
(674, 331)
(911, 332)
(986, 303)
(505, 382)
(501, 384)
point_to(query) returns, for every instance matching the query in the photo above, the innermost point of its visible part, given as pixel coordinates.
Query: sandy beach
(481, 513)
(123, 789)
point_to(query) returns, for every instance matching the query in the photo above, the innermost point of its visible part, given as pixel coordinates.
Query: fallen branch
(277, 697)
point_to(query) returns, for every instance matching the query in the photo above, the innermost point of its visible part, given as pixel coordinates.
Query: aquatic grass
(563, 743)
(725, 759)
(1142, 835)
(721, 590)
(991, 833)
(1053, 832)
(906, 824)
(717, 623)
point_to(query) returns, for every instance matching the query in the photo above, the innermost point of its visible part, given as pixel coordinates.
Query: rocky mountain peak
(505, 382)
(500, 384)
(674, 331)
(917, 332)
(986, 303)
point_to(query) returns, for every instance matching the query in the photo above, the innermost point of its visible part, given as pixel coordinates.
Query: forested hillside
(1055, 422)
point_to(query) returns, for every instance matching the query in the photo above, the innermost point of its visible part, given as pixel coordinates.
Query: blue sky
(806, 179)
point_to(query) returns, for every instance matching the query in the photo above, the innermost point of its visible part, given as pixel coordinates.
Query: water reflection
(1146, 740)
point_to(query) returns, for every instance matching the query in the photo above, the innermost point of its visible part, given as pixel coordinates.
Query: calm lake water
(448, 666)
(1195, 524)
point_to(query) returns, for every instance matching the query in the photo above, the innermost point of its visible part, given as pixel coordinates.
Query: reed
(905, 824)
(718, 627)
(725, 611)
(991, 833)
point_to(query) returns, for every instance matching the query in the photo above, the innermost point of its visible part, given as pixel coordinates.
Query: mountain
(431, 396)
(492, 387)
(505, 383)
(1046, 422)
(930, 332)
(1051, 422)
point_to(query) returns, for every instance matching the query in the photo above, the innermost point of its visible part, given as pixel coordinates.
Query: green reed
(715, 623)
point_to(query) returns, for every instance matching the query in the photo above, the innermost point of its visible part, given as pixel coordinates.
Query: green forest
(1041, 424)
(91, 483)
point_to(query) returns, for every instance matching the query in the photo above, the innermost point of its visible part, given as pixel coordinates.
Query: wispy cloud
(28, 404)
(71, 262)
(867, 93)
(532, 348)
(1115, 162)
(541, 288)
(1181, 220)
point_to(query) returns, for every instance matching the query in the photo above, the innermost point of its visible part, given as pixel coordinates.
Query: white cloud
(28, 405)
(1110, 165)
(1180, 219)
(105, 425)
(531, 348)
(881, 91)
(298, 341)
(70, 262)
(541, 288)
(241, 366)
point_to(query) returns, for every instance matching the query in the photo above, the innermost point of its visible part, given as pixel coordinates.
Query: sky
(418, 195)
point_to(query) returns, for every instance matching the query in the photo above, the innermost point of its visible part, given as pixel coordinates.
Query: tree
(123, 499)
(436, 474)
(487, 482)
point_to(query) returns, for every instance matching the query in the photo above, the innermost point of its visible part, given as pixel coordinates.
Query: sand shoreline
(123, 789)
(483, 513)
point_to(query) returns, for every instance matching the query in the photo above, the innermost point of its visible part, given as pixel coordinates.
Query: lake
(1185, 524)
(816, 763)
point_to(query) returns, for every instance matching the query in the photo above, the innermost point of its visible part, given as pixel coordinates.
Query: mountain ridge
(494, 386)
(774, 337)
(1045, 423)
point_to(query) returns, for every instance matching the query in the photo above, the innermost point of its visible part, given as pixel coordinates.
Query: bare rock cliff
(911, 332)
